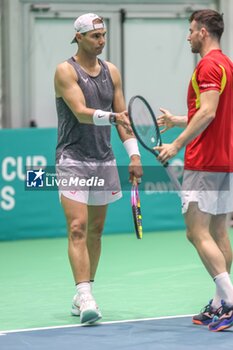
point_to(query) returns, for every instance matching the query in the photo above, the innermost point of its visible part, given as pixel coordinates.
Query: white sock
(83, 288)
(216, 302)
(224, 287)
(92, 283)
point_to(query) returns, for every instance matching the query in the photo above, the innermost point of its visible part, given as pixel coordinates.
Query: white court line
(85, 325)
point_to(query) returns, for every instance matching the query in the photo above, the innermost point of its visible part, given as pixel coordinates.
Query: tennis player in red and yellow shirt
(212, 149)
(207, 195)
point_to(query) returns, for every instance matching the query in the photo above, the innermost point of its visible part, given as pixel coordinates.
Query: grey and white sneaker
(75, 308)
(85, 306)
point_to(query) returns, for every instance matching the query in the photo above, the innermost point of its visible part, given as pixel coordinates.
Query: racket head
(136, 210)
(144, 123)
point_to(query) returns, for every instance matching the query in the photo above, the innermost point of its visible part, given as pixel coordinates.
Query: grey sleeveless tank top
(83, 141)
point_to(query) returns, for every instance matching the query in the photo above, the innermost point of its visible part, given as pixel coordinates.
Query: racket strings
(144, 124)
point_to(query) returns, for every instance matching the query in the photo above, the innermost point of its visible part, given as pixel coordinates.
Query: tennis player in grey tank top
(89, 102)
(86, 142)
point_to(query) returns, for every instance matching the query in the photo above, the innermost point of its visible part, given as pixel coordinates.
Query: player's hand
(135, 169)
(166, 152)
(123, 120)
(166, 120)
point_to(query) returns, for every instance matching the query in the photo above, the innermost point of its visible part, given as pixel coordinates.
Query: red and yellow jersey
(212, 150)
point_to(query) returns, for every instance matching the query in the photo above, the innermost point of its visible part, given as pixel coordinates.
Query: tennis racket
(136, 210)
(146, 130)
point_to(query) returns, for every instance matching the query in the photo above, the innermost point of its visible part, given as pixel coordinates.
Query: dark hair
(211, 20)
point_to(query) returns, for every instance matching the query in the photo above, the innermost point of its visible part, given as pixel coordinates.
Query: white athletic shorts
(213, 191)
(92, 183)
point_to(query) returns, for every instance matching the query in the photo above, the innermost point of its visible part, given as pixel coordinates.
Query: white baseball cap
(87, 22)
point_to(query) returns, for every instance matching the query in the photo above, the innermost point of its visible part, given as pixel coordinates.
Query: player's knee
(96, 228)
(77, 230)
(190, 236)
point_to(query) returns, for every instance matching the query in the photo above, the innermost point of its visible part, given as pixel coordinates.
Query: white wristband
(131, 147)
(101, 117)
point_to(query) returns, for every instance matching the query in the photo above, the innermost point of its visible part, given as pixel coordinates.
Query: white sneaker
(85, 307)
(75, 308)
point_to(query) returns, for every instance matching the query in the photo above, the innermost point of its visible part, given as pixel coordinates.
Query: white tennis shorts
(213, 191)
(92, 183)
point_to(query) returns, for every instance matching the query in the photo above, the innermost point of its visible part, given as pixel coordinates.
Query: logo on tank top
(85, 79)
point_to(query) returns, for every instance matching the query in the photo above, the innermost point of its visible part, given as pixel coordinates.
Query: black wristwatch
(112, 119)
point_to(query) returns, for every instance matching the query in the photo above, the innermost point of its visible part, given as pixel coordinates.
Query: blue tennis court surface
(167, 333)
